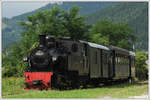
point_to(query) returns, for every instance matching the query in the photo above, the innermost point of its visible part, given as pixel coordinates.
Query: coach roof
(119, 50)
(94, 45)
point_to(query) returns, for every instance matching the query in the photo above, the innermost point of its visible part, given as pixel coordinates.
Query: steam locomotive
(62, 63)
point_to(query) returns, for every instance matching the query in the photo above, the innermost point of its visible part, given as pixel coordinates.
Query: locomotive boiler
(67, 63)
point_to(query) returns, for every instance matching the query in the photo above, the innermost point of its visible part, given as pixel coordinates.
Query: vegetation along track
(14, 88)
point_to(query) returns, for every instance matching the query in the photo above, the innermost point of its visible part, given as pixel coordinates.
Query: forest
(60, 23)
(135, 14)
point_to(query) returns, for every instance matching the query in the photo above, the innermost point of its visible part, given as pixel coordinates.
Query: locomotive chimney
(42, 39)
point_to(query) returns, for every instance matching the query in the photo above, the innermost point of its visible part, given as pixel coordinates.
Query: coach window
(120, 60)
(83, 51)
(96, 57)
(111, 59)
(124, 60)
(127, 61)
(105, 58)
(116, 60)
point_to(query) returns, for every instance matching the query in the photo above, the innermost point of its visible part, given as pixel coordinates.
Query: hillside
(134, 14)
(85, 8)
(11, 33)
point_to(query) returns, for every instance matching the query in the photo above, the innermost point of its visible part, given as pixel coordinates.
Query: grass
(14, 88)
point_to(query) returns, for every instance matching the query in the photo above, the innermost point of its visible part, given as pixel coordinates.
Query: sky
(10, 9)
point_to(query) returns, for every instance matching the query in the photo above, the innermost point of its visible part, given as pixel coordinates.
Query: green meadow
(14, 88)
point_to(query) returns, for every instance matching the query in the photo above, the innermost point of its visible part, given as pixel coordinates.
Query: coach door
(105, 63)
(85, 58)
(110, 65)
(95, 70)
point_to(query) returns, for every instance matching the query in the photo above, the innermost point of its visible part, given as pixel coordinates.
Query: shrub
(141, 68)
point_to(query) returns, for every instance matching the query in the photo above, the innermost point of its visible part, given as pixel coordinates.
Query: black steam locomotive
(72, 63)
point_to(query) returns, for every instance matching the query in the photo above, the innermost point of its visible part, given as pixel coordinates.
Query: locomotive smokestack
(42, 40)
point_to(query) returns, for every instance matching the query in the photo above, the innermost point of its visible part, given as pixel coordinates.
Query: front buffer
(38, 80)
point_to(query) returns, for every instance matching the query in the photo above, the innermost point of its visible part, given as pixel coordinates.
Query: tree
(141, 68)
(75, 24)
(98, 38)
(116, 34)
(54, 22)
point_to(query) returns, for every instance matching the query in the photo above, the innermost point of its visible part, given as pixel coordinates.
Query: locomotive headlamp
(54, 58)
(25, 59)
